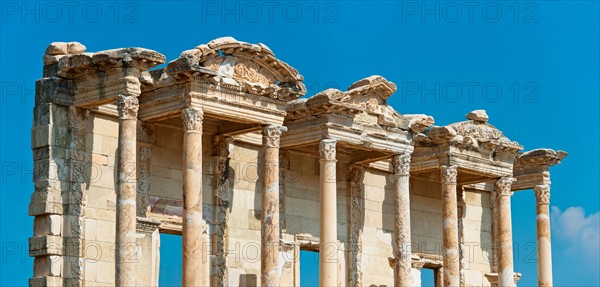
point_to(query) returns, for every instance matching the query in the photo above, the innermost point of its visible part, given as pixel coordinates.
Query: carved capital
(448, 174)
(542, 194)
(127, 106)
(272, 134)
(503, 186)
(327, 149)
(356, 174)
(401, 164)
(192, 119)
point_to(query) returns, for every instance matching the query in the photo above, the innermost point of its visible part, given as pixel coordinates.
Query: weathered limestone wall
(101, 202)
(378, 229)
(426, 216)
(160, 199)
(477, 224)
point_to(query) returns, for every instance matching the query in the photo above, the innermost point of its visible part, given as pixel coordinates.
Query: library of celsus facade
(223, 147)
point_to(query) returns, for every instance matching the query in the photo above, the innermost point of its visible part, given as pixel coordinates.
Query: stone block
(105, 272)
(90, 229)
(47, 225)
(47, 266)
(105, 231)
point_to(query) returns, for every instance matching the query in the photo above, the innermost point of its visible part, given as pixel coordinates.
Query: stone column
(193, 224)
(328, 246)
(450, 227)
(269, 274)
(127, 107)
(542, 196)
(506, 275)
(402, 266)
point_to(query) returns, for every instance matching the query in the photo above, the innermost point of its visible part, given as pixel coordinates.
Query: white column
(193, 224)
(328, 247)
(506, 276)
(402, 266)
(127, 107)
(542, 196)
(450, 227)
(270, 206)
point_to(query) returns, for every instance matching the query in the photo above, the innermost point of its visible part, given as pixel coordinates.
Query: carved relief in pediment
(241, 69)
(252, 72)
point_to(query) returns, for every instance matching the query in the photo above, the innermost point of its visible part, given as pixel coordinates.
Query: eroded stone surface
(123, 153)
(478, 116)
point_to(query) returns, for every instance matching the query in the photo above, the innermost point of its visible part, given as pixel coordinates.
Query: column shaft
(450, 227)
(402, 241)
(542, 195)
(270, 206)
(506, 275)
(193, 224)
(328, 247)
(126, 192)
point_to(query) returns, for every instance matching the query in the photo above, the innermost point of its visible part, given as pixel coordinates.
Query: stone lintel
(147, 225)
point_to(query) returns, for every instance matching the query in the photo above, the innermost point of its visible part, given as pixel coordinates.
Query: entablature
(479, 150)
(532, 167)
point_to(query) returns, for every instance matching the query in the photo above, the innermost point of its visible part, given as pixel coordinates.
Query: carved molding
(284, 165)
(222, 147)
(192, 119)
(327, 149)
(355, 178)
(272, 135)
(503, 186)
(143, 176)
(78, 118)
(401, 164)
(542, 194)
(448, 174)
(128, 107)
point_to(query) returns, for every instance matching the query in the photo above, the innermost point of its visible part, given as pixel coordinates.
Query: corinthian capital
(272, 134)
(448, 173)
(542, 194)
(327, 149)
(401, 164)
(192, 119)
(127, 106)
(503, 185)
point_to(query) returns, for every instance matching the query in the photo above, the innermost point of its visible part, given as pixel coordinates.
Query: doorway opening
(428, 276)
(170, 260)
(309, 268)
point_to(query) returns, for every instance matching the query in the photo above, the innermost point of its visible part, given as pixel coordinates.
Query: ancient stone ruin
(221, 147)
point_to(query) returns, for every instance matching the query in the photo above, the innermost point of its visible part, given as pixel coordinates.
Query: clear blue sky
(543, 56)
